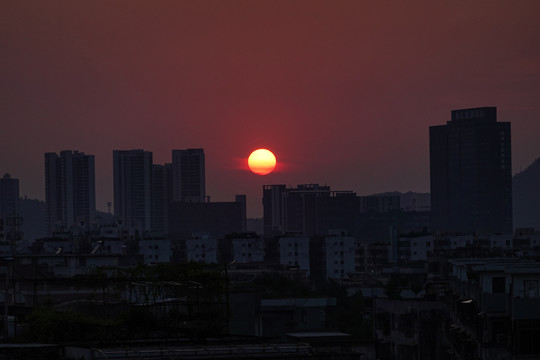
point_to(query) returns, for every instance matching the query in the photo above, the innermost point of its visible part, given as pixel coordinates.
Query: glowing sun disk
(262, 161)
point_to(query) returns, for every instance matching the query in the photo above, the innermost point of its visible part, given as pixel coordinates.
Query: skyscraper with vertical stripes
(70, 193)
(132, 172)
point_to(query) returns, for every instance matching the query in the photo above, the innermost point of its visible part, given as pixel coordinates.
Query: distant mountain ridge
(526, 197)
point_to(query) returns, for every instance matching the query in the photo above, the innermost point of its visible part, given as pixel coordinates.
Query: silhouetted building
(9, 196)
(274, 209)
(242, 200)
(471, 179)
(188, 175)
(308, 209)
(161, 198)
(10, 219)
(214, 218)
(132, 188)
(70, 191)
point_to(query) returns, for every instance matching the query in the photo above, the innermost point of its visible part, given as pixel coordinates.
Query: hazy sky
(343, 92)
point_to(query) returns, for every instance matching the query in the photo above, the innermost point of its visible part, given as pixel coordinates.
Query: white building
(248, 249)
(294, 251)
(202, 248)
(502, 241)
(461, 241)
(420, 247)
(340, 256)
(155, 250)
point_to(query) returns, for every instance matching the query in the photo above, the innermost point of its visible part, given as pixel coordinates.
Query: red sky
(343, 92)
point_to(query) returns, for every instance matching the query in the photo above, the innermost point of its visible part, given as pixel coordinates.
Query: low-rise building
(496, 309)
(340, 255)
(201, 248)
(294, 251)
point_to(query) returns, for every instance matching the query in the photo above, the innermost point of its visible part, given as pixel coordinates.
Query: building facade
(471, 173)
(188, 175)
(161, 198)
(340, 255)
(215, 218)
(294, 251)
(132, 171)
(10, 219)
(70, 192)
(308, 209)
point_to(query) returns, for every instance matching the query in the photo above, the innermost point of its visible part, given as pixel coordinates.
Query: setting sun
(262, 161)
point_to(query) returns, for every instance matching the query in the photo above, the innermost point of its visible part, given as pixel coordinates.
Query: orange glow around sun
(262, 161)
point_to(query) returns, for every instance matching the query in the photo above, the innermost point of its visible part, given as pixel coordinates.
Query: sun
(262, 161)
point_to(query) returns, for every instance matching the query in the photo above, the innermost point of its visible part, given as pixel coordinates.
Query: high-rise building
(308, 209)
(161, 198)
(188, 175)
(274, 209)
(471, 173)
(10, 219)
(132, 171)
(70, 192)
(9, 196)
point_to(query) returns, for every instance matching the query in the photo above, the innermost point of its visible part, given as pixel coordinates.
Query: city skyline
(343, 93)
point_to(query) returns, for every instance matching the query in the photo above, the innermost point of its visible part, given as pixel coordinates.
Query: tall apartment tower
(10, 219)
(161, 198)
(188, 175)
(471, 173)
(274, 202)
(70, 191)
(9, 196)
(132, 172)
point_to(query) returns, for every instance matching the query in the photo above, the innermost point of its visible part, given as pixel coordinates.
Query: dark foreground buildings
(471, 173)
